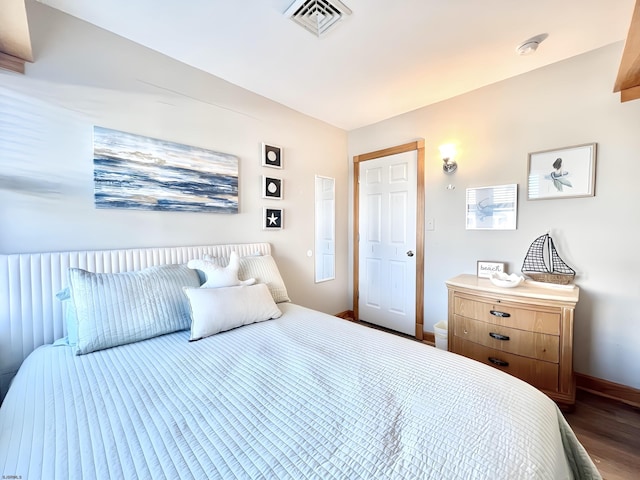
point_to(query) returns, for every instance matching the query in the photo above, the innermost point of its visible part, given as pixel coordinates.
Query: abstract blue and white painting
(137, 172)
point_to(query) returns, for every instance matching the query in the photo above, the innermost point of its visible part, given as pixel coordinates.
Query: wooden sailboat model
(543, 264)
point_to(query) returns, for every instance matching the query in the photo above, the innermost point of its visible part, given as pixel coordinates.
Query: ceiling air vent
(317, 16)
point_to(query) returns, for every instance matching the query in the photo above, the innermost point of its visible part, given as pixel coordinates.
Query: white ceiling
(387, 58)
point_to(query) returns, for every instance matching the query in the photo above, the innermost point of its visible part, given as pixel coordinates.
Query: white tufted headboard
(30, 313)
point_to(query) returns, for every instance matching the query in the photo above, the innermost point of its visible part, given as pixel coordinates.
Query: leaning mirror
(325, 228)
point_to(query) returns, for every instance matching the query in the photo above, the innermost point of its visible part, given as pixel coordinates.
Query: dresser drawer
(527, 344)
(540, 374)
(535, 319)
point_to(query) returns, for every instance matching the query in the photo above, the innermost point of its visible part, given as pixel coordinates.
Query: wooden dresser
(526, 331)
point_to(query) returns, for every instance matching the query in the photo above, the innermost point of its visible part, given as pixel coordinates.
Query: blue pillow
(118, 308)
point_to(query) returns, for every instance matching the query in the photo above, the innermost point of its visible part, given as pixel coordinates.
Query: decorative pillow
(264, 269)
(218, 276)
(215, 310)
(69, 314)
(118, 308)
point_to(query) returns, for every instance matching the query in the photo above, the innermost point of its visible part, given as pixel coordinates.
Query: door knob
(410, 253)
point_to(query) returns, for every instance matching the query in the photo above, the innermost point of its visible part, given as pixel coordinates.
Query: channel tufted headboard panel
(30, 313)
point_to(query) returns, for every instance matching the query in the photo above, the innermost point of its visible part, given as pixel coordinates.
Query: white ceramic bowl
(500, 279)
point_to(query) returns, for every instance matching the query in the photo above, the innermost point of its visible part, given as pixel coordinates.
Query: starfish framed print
(272, 187)
(272, 218)
(271, 156)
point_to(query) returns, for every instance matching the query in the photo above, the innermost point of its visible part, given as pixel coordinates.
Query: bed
(300, 395)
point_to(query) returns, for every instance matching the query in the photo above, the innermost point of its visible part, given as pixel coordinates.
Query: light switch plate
(431, 224)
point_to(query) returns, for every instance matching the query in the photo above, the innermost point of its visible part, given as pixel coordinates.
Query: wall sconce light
(448, 153)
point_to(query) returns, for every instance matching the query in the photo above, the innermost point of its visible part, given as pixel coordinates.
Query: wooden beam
(629, 71)
(632, 93)
(14, 30)
(8, 62)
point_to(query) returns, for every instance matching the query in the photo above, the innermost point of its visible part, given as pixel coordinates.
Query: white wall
(495, 127)
(84, 76)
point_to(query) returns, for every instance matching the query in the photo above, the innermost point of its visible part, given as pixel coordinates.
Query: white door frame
(419, 294)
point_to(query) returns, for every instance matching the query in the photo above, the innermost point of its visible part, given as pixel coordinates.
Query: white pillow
(215, 310)
(218, 276)
(263, 269)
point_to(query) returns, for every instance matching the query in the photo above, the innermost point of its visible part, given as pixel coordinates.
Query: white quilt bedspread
(307, 396)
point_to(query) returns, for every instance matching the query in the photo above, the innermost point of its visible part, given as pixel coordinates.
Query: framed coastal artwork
(143, 173)
(562, 173)
(272, 218)
(272, 187)
(492, 208)
(271, 156)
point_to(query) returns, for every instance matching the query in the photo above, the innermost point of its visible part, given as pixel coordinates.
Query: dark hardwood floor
(610, 432)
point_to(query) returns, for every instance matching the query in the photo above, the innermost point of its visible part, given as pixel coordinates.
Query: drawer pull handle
(497, 313)
(497, 336)
(497, 361)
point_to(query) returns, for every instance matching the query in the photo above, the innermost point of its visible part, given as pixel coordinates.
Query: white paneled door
(387, 245)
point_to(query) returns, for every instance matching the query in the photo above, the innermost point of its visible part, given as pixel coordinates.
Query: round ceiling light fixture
(531, 45)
